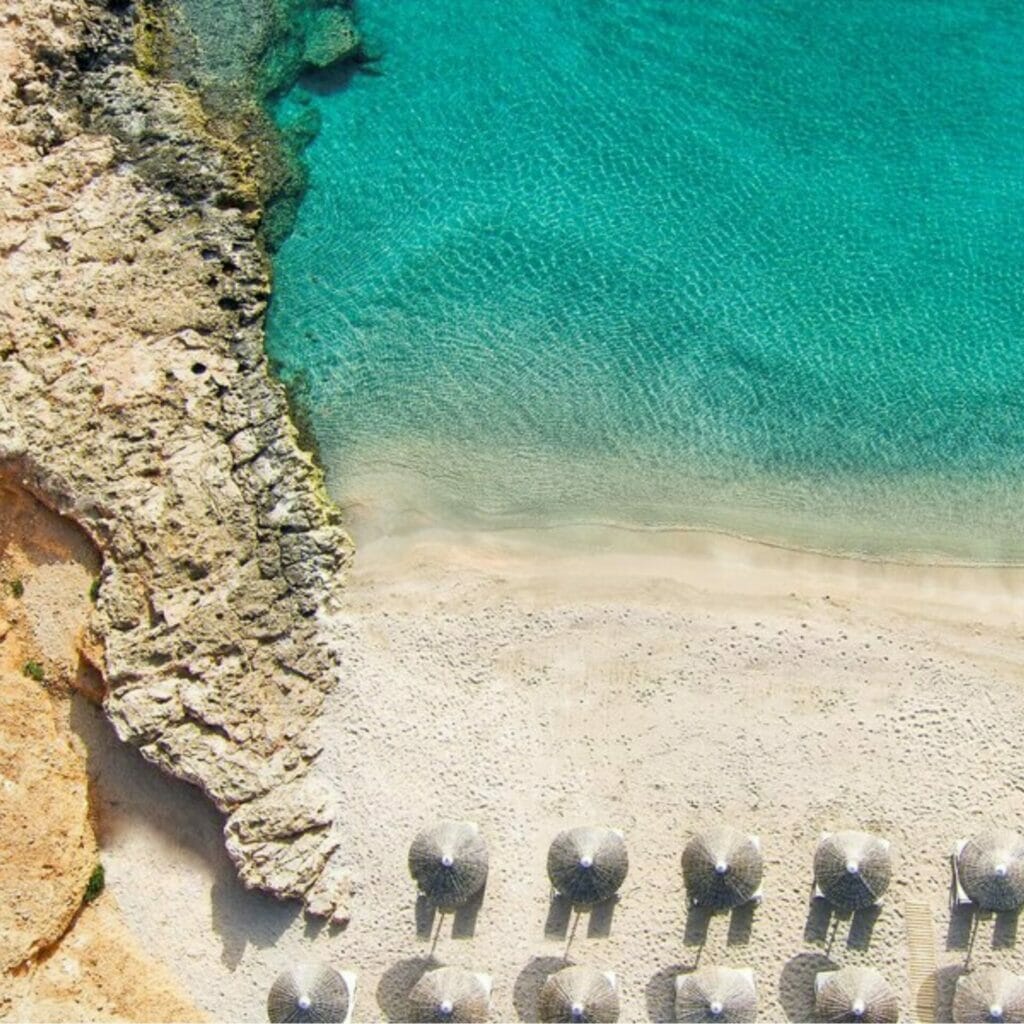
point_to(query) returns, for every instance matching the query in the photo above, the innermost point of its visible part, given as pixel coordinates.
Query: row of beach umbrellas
(580, 993)
(722, 867)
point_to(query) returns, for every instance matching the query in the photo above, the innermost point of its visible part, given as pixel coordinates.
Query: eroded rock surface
(135, 399)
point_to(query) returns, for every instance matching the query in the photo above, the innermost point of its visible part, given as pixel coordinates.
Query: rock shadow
(125, 787)
(796, 984)
(530, 981)
(397, 982)
(338, 76)
(241, 918)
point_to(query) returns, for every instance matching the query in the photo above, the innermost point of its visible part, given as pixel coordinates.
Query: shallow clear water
(750, 266)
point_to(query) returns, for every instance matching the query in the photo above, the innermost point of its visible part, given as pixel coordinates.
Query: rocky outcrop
(135, 399)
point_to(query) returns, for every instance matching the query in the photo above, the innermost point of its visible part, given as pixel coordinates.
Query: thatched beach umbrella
(579, 994)
(308, 992)
(587, 865)
(722, 867)
(991, 870)
(451, 994)
(716, 994)
(449, 863)
(852, 869)
(855, 994)
(992, 994)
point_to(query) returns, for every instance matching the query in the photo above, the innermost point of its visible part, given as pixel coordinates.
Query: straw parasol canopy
(856, 994)
(308, 992)
(992, 994)
(451, 994)
(852, 869)
(722, 867)
(449, 863)
(587, 865)
(991, 869)
(579, 994)
(716, 994)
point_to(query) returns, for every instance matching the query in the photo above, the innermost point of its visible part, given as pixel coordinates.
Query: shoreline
(389, 499)
(635, 536)
(563, 564)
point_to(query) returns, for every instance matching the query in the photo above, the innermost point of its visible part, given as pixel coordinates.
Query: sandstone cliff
(135, 399)
(65, 953)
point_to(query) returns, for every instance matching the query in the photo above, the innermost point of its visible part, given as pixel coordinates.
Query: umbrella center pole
(437, 931)
(572, 934)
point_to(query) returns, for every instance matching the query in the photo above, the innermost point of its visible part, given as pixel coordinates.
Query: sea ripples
(740, 266)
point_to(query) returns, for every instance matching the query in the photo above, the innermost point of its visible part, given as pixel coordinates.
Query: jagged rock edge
(280, 826)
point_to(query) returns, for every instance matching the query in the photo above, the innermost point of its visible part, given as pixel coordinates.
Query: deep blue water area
(704, 263)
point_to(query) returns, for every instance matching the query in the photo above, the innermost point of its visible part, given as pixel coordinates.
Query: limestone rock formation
(135, 399)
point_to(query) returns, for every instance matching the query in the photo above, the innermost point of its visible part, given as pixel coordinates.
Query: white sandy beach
(532, 682)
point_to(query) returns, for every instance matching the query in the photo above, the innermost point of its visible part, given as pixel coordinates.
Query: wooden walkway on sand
(921, 965)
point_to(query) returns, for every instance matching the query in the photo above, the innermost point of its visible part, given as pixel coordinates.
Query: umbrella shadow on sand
(945, 988)
(1004, 930)
(962, 921)
(796, 984)
(430, 921)
(563, 918)
(824, 921)
(526, 991)
(464, 918)
(698, 924)
(660, 992)
(397, 982)
(559, 915)
(695, 933)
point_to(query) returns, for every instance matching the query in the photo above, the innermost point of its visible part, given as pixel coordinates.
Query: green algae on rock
(255, 46)
(236, 58)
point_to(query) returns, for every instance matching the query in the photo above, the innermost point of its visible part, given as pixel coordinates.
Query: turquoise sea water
(754, 266)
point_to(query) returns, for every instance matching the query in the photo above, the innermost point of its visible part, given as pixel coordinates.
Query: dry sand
(532, 682)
